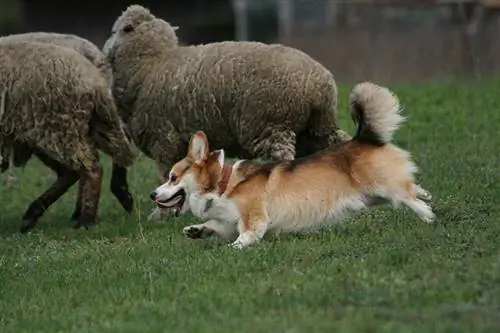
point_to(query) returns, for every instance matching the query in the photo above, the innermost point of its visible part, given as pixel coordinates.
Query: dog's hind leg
(421, 209)
(410, 197)
(422, 193)
(252, 229)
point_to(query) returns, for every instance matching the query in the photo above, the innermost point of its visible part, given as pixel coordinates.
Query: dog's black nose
(152, 195)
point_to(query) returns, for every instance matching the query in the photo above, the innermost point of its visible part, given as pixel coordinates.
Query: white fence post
(240, 9)
(285, 18)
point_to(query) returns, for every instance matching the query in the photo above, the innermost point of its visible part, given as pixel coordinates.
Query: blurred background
(382, 40)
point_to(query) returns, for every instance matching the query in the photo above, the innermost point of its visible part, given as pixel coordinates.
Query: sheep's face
(130, 19)
(141, 29)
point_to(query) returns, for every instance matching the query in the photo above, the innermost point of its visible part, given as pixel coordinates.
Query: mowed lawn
(384, 271)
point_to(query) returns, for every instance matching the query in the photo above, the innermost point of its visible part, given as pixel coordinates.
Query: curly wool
(79, 44)
(57, 102)
(239, 93)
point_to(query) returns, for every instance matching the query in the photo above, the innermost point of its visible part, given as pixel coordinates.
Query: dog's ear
(219, 154)
(198, 146)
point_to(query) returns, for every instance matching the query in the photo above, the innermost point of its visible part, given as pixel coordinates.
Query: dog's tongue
(175, 201)
(178, 205)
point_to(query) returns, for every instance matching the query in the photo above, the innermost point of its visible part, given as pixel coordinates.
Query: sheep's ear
(198, 146)
(219, 154)
(175, 27)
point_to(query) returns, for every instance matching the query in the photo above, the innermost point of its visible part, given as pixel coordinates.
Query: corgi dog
(249, 200)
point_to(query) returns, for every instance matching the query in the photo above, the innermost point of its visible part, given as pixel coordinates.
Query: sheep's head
(127, 22)
(138, 27)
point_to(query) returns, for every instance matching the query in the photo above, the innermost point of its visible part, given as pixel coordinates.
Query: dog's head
(200, 171)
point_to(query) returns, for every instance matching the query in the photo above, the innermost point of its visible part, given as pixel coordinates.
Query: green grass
(384, 271)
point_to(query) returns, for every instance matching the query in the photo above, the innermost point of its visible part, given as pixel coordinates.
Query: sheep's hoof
(128, 203)
(75, 216)
(126, 200)
(26, 225)
(84, 223)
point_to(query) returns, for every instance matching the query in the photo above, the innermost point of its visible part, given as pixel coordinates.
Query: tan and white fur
(306, 193)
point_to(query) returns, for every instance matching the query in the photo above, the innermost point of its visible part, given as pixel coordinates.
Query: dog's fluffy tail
(376, 112)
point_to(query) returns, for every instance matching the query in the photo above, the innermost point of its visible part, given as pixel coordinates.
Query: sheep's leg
(161, 170)
(6, 164)
(120, 188)
(78, 207)
(309, 143)
(65, 179)
(166, 148)
(276, 143)
(90, 194)
(159, 213)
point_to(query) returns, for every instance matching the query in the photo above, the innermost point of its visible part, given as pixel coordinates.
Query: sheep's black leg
(65, 179)
(310, 143)
(120, 189)
(90, 195)
(78, 207)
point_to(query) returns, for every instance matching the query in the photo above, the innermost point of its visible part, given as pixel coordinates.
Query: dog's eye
(172, 177)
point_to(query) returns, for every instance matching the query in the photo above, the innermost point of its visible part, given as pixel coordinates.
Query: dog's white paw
(193, 231)
(237, 244)
(429, 219)
(423, 194)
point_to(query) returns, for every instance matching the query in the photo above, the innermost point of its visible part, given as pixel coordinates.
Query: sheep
(88, 49)
(119, 185)
(252, 99)
(85, 47)
(56, 105)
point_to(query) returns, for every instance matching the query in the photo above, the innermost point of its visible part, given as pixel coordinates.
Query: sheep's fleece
(85, 47)
(79, 44)
(252, 99)
(53, 100)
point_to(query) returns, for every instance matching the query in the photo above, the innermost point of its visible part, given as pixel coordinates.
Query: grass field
(384, 271)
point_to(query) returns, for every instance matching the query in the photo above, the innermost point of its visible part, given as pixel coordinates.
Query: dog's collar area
(224, 180)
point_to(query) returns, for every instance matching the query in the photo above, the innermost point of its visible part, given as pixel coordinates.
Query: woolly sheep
(119, 185)
(81, 45)
(252, 99)
(57, 105)
(85, 47)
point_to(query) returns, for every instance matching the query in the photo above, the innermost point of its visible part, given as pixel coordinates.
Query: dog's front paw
(237, 244)
(196, 231)
(193, 232)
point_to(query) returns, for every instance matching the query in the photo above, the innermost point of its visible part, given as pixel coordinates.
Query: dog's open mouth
(175, 201)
